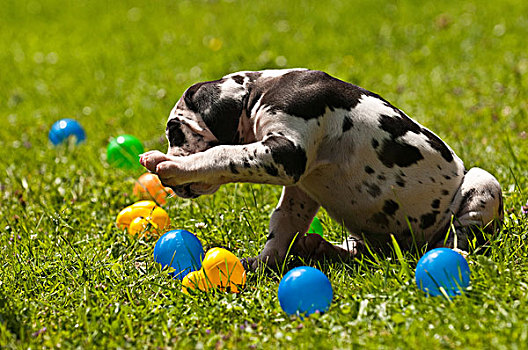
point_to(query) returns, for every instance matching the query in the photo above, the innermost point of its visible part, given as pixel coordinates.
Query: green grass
(69, 278)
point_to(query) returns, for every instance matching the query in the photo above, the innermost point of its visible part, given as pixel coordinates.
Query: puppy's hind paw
(247, 263)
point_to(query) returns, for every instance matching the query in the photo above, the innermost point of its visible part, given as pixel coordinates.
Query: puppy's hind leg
(288, 225)
(478, 209)
(291, 218)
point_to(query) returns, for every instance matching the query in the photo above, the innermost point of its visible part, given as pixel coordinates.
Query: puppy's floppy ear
(220, 114)
(189, 95)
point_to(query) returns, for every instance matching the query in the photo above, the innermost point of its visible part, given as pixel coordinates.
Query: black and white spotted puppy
(330, 144)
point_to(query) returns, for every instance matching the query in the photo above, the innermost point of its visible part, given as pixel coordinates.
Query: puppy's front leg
(276, 160)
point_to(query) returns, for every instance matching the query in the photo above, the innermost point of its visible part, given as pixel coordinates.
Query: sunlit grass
(70, 278)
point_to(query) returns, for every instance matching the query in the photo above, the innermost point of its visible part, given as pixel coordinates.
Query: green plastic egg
(123, 152)
(316, 227)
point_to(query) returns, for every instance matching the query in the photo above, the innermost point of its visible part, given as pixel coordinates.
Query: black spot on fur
(398, 126)
(467, 196)
(286, 153)
(307, 94)
(233, 168)
(347, 124)
(380, 218)
(435, 204)
(369, 170)
(271, 236)
(372, 189)
(176, 135)
(381, 178)
(271, 170)
(437, 144)
(221, 115)
(390, 207)
(375, 143)
(398, 153)
(399, 181)
(428, 220)
(238, 79)
(445, 192)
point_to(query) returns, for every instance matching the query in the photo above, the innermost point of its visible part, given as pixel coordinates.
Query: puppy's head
(206, 115)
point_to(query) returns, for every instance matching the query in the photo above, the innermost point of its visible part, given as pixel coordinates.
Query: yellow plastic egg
(138, 216)
(140, 224)
(144, 205)
(124, 218)
(193, 280)
(224, 270)
(160, 218)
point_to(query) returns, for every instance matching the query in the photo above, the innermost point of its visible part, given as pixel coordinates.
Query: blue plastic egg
(305, 290)
(180, 250)
(63, 129)
(442, 268)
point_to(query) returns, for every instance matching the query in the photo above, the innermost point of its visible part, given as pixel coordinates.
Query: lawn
(70, 278)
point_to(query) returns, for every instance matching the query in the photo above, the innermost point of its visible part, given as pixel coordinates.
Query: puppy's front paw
(151, 159)
(175, 171)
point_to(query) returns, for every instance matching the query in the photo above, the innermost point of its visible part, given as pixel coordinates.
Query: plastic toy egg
(442, 269)
(141, 208)
(149, 186)
(123, 152)
(142, 215)
(224, 270)
(63, 129)
(221, 270)
(305, 290)
(180, 250)
(195, 280)
(141, 224)
(316, 227)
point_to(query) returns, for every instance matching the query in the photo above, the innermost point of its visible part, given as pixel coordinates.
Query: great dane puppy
(330, 144)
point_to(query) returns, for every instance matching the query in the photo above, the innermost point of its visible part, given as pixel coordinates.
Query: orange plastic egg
(149, 186)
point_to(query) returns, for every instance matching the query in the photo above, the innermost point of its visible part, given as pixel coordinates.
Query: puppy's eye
(175, 134)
